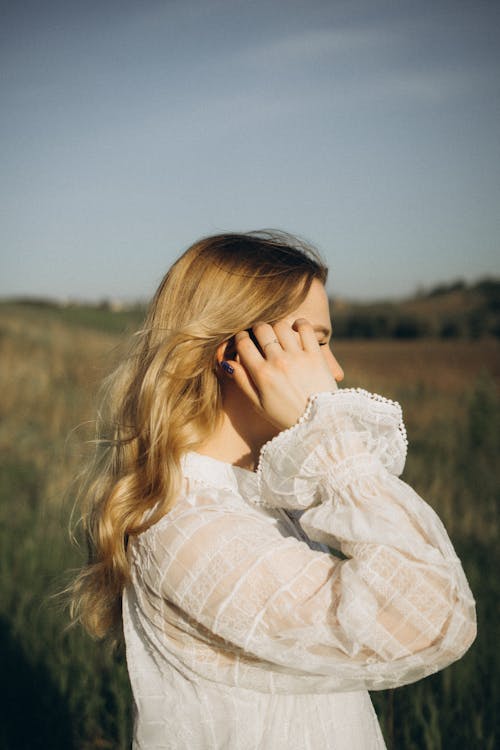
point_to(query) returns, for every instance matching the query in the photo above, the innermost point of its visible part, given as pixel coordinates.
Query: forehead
(315, 307)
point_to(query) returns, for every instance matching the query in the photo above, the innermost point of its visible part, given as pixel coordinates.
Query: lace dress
(246, 630)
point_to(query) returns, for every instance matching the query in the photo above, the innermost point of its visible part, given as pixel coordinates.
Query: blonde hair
(164, 398)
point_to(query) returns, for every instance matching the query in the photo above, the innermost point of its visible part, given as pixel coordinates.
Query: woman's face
(243, 414)
(316, 310)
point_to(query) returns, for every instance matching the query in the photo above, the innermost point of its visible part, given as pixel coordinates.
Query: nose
(337, 371)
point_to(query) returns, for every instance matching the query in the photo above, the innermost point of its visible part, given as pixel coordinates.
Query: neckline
(216, 472)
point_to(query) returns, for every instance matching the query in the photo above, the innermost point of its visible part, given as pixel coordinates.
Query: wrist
(346, 429)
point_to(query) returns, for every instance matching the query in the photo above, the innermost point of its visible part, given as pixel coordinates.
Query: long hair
(164, 398)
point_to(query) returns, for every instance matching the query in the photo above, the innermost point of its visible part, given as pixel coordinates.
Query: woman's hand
(280, 378)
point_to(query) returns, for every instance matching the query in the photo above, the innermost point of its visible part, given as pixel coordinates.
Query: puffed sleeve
(395, 610)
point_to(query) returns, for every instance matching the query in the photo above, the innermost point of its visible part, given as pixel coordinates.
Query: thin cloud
(313, 44)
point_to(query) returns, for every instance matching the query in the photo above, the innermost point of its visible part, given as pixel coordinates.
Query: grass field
(62, 690)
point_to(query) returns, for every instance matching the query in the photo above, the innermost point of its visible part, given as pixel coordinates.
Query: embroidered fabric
(244, 631)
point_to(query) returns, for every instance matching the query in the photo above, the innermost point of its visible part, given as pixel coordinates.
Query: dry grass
(50, 372)
(49, 376)
(431, 377)
(445, 367)
(50, 369)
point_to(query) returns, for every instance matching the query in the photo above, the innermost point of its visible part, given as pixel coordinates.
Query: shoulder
(201, 512)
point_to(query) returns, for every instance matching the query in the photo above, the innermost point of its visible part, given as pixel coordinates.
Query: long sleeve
(395, 610)
(404, 602)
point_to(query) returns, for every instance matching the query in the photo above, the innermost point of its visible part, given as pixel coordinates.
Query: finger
(241, 377)
(307, 335)
(250, 356)
(288, 338)
(265, 334)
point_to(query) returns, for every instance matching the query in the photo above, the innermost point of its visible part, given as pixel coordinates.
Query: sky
(370, 128)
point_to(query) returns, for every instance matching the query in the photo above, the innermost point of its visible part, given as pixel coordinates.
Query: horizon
(439, 287)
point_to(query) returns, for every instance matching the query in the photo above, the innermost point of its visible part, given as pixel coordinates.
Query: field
(61, 689)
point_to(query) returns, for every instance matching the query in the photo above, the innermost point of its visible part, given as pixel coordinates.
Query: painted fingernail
(227, 367)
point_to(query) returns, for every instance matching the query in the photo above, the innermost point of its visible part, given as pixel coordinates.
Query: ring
(274, 341)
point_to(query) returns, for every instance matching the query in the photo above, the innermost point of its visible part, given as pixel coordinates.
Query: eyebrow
(322, 329)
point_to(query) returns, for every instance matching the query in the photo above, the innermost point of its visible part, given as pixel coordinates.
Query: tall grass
(454, 466)
(62, 690)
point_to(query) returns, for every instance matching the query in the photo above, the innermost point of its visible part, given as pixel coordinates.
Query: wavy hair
(164, 398)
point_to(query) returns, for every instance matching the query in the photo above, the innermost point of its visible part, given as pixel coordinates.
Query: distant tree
(494, 328)
(490, 291)
(449, 328)
(453, 286)
(360, 326)
(474, 313)
(409, 327)
(476, 323)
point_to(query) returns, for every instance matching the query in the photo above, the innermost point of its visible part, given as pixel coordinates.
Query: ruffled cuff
(340, 432)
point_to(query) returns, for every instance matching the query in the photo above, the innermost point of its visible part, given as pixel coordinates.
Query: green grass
(86, 316)
(458, 707)
(61, 690)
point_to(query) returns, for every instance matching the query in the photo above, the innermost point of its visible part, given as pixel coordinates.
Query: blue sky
(131, 129)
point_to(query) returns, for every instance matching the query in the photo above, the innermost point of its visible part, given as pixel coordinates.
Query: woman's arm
(398, 609)
(342, 463)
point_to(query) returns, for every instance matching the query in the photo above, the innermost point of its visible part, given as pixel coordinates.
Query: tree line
(476, 313)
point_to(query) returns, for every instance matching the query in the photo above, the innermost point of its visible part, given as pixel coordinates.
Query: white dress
(244, 631)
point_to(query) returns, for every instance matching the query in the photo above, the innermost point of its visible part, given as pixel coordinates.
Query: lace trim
(383, 400)
(375, 397)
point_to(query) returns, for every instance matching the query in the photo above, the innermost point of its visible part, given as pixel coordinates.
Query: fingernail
(227, 367)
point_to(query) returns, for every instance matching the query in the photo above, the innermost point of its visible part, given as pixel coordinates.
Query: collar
(219, 474)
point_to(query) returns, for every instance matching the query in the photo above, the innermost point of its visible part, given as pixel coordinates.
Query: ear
(227, 350)
(221, 352)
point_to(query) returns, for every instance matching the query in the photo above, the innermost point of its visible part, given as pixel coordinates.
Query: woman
(247, 523)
